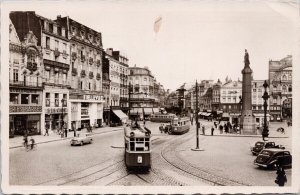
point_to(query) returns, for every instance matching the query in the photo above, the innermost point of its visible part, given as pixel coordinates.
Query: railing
(22, 83)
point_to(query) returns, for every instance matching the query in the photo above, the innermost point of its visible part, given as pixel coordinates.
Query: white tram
(163, 118)
(137, 147)
(180, 125)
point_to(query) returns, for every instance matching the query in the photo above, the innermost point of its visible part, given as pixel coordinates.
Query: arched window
(284, 88)
(284, 77)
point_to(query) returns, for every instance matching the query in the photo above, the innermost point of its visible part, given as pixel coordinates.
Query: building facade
(86, 95)
(280, 83)
(258, 102)
(56, 58)
(25, 75)
(230, 94)
(141, 97)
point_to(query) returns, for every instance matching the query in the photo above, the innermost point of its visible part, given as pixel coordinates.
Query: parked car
(82, 138)
(269, 158)
(260, 145)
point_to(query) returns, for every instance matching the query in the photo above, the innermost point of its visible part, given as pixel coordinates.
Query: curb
(61, 139)
(243, 136)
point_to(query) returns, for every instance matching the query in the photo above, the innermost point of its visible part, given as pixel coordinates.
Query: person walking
(46, 132)
(25, 141)
(74, 132)
(203, 129)
(212, 131)
(32, 143)
(221, 129)
(216, 125)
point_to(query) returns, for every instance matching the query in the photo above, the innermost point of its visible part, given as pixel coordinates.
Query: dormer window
(51, 28)
(59, 31)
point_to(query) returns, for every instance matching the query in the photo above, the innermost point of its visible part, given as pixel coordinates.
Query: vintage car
(269, 158)
(260, 145)
(82, 138)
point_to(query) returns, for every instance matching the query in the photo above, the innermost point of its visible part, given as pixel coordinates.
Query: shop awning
(155, 110)
(199, 113)
(225, 114)
(148, 111)
(203, 113)
(219, 111)
(208, 114)
(208, 111)
(120, 114)
(235, 114)
(136, 111)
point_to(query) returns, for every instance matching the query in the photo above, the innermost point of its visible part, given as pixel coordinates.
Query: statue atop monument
(246, 59)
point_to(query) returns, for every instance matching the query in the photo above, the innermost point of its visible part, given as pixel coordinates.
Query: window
(284, 77)
(24, 98)
(284, 88)
(47, 75)
(16, 75)
(51, 28)
(48, 42)
(13, 98)
(229, 107)
(34, 99)
(59, 30)
(290, 88)
(65, 48)
(56, 44)
(56, 100)
(31, 55)
(65, 100)
(81, 85)
(47, 99)
(254, 90)
(89, 85)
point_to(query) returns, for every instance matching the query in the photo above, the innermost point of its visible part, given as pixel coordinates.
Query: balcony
(56, 64)
(25, 84)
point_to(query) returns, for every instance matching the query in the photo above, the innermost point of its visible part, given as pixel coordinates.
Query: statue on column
(246, 59)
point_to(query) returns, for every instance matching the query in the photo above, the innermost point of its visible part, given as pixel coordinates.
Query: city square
(204, 98)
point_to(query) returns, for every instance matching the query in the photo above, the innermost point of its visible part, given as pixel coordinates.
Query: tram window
(139, 149)
(131, 139)
(131, 146)
(140, 139)
(146, 139)
(147, 146)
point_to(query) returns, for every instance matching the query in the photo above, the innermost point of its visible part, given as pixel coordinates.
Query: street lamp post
(265, 132)
(197, 124)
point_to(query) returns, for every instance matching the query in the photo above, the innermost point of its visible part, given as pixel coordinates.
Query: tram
(137, 147)
(179, 126)
(163, 118)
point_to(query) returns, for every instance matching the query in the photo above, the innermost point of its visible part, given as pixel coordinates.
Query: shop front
(86, 111)
(25, 124)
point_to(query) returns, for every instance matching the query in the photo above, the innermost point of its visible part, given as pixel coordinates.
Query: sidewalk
(272, 130)
(17, 141)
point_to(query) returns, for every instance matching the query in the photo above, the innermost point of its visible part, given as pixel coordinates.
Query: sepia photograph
(149, 97)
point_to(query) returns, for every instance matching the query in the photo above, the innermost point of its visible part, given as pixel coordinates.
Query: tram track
(169, 154)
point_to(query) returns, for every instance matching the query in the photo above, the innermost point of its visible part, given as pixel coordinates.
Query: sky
(196, 40)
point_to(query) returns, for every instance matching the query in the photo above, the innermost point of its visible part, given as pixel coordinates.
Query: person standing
(221, 129)
(74, 132)
(32, 143)
(226, 128)
(281, 177)
(66, 132)
(203, 129)
(212, 131)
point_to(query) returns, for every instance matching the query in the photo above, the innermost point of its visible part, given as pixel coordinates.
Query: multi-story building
(230, 100)
(215, 103)
(56, 53)
(280, 80)
(25, 74)
(86, 95)
(142, 100)
(117, 65)
(258, 102)
(204, 95)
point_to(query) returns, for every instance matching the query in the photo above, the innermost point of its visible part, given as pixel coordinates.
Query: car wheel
(81, 143)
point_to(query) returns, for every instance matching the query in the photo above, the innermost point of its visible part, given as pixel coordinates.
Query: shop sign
(13, 90)
(23, 108)
(55, 110)
(92, 97)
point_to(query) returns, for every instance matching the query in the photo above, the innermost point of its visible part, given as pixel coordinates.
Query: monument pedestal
(248, 122)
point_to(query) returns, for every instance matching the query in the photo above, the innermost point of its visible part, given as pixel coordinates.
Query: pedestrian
(144, 122)
(281, 177)
(66, 132)
(212, 131)
(25, 140)
(203, 130)
(74, 132)
(216, 125)
(161, 128)
(221, 129)
(46, 132)
(32, 143)
(226, 128)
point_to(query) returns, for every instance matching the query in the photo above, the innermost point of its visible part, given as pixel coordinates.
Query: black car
(269, 158)
(260, 145)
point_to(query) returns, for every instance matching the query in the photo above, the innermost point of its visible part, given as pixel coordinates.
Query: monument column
(248, 121)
